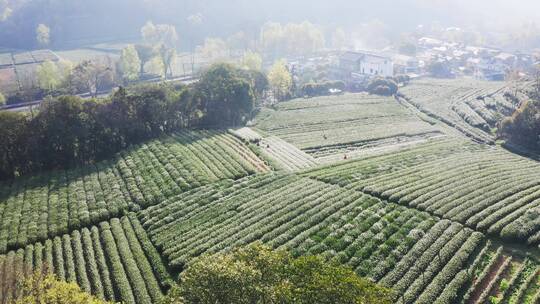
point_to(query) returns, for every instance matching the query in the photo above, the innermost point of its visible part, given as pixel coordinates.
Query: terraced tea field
(424, 259)
(327, 126)
(114, 260)
(43, 206)
(485, 188)
(473, 107)
(369, 182)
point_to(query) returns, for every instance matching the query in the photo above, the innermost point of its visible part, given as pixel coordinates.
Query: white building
(368, 64)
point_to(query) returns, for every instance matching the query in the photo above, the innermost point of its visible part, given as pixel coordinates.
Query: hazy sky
(488, 13)
(77, 19)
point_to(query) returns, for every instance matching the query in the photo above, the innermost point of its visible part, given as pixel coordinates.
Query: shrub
(382, 86)
(322, 88)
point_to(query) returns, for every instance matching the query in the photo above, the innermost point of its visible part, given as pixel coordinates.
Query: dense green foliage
(382, 86)
(322, 89)
(257, 274)
(523, 127)
(39, 288)
(70, 131)
(225, 95)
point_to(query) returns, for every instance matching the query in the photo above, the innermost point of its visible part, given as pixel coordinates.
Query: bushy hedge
(321, 88)
(382, 86)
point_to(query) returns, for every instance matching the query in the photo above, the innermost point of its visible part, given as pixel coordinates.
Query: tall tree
(224, 95)
(156, 34)
(43, 35)
(292, 38)
(165, 40)
(339, 39)
(168, 57)
(13, 126)
(157, 67)
(146, 53)
(65, 69)
(280, 80)
(195, 21)
(49, 77)
(130, 63)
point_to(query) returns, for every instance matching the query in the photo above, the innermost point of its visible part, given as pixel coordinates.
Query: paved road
(24, 107)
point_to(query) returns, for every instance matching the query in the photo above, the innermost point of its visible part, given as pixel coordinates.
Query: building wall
(368, 65)
(377, 68)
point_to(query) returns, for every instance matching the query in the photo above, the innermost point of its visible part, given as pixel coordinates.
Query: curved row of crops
(472, 107)
(421, 257)
(114, 261)
(488, 188)
(47, 205)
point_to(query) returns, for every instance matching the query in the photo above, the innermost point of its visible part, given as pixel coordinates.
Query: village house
(364, 64)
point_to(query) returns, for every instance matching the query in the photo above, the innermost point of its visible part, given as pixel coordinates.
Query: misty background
(76, 22)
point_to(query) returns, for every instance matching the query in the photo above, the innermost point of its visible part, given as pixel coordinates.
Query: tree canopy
(39, 288)
(43, 35)
(130, 64)
(280, 80)
(48, 75)
(225, 94)
(523, 127)
(258, 274)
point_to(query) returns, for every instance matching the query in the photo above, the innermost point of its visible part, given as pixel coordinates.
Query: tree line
(69, 131)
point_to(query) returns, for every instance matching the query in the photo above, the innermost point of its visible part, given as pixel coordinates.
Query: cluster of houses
(479, 62)
(456, 59)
